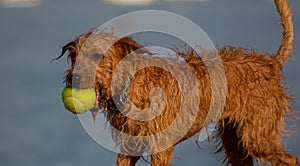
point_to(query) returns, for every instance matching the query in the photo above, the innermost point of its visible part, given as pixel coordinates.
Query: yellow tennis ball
(78, 101)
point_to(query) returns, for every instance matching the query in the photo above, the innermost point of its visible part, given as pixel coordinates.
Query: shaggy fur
(252, 125)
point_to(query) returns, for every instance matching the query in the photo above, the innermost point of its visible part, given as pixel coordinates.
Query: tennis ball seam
(73, 98)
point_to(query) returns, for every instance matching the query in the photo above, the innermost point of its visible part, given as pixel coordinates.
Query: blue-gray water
(35, 129)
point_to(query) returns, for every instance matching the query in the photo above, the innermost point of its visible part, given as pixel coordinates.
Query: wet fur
(257, 107)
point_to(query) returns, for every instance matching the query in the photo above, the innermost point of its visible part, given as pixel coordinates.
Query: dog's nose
(76, 79)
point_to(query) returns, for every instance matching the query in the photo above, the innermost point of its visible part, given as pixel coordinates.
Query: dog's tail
(286, 46)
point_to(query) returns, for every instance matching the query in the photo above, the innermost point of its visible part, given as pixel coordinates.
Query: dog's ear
(68, 47)
(131, 45)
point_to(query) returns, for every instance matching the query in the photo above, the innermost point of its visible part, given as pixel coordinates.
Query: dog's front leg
(125, 160)
(162, 158)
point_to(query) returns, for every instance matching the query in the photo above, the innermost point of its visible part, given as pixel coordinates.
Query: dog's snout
(76, 79)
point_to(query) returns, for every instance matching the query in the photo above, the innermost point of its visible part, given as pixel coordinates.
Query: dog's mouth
(96, 104)
(96, 108)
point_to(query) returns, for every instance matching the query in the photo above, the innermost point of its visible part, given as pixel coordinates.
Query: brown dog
(251, 126)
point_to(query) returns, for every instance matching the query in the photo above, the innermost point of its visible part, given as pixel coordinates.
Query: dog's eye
(97, 56)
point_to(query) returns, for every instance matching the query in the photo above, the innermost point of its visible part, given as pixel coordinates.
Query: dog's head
(94, 57)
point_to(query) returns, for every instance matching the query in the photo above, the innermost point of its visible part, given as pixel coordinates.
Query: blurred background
(35, 129)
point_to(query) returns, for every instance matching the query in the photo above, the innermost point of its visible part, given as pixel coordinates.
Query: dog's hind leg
(162, 158)
(236, 155)
(263, 141)
(270, 150)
